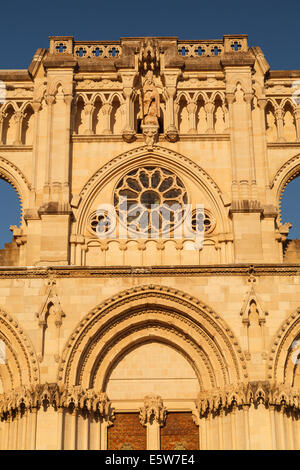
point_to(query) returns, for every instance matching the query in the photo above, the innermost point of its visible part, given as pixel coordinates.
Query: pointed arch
(183, 117)
(166, 158)
(21, 364)
(270, 120)
(54, 86)
(162, 314)
(13, 175)
(116, 124)
(289, 122)
(27, 124)
(79, 118)
(286, 173)
(281, 364)
(9, 126)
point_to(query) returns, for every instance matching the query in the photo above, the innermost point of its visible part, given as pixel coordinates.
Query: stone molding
(261, 269)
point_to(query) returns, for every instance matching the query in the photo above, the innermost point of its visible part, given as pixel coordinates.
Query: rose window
(150, 200)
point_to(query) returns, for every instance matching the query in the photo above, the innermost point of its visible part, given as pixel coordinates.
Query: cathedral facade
(150, 297)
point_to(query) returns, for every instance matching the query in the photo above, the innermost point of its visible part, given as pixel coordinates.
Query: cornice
(263, 269)
(161, 138)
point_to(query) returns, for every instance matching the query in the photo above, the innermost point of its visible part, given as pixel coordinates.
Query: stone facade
(102, 332)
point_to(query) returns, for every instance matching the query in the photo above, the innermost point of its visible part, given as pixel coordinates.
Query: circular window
(202, 220)
(150, 200)
(101, 222)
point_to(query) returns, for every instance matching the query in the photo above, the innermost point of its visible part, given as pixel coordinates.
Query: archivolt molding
(151, 326)
(144, 151)
(13, 175)
(281, 348)
(141, 156)
(187, 322)
(286, 173)
(24, 369)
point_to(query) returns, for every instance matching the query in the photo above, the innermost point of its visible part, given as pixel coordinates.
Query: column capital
(36, 106)
(262, 102)
(68, 99)
(49, 99)
(153, 411)
(230, 98)
(88, 108)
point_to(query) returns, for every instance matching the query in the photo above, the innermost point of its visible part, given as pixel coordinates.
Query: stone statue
(150, 101)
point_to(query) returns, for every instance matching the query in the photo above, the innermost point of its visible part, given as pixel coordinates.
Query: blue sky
(26, 26)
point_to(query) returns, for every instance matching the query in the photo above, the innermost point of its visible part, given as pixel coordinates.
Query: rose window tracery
(150, 200)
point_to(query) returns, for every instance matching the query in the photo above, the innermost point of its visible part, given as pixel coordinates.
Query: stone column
(230, 100)
(2, 116)
(279, 121)
(36, 106)
(88, 111)
(18, 117)
(209, 109)
(262, 104)
(106, 110)
(68, 99)
(252, 169)
(129, 94)
(192, 108)
(297, 119)
(50, 99)
(171, 88)
(153, 415)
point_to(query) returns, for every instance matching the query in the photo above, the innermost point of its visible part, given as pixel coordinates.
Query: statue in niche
(149, 101)
(253, 314)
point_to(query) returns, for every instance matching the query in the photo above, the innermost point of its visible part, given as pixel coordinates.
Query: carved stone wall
(114, 341)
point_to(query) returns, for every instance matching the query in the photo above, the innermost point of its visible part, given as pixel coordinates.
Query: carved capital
(171, 79)
(88, 108)
(262, 102)
(68, 99)
(192, 107)
(18, 116)
(248, 97)
(209, 107)
(49, 99)
(36, 106)
(153, 410)
(230, 98)
(106, 108)
(279, 113)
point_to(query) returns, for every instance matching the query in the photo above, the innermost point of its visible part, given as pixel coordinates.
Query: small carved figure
(150, 101)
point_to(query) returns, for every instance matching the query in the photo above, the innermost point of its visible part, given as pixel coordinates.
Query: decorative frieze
(56, 396)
